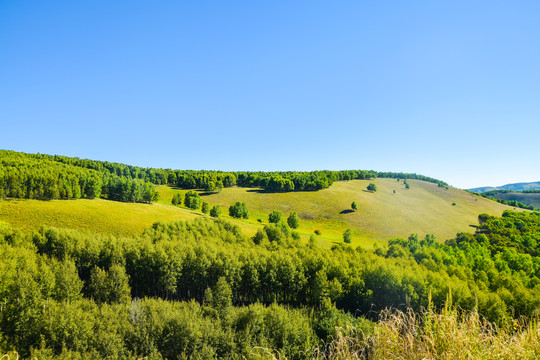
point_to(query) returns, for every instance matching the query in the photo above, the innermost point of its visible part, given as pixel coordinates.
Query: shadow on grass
(347, 211)
(259, 191)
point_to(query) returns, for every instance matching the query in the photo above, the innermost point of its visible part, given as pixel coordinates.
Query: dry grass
(448, 335)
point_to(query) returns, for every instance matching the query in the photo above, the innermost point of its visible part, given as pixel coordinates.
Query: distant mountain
(513, 187)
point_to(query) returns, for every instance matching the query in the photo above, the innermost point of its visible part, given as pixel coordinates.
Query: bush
(205, 207)
(239, 211)
(215, 211)
(347, 236)
(275, 217)
(293, 220)
(192, 200)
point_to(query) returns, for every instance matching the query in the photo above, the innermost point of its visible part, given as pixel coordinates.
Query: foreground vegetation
(202, 289)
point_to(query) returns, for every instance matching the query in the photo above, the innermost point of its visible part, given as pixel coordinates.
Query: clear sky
(448, 89)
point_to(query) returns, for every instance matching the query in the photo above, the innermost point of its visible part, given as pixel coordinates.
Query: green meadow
(424, 208)
(381, 215)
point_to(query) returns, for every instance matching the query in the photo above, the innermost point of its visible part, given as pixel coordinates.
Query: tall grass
(449, 334)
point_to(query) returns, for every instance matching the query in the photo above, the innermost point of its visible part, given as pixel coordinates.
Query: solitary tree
(192, 200)
(347, 236)
(293, 220)
(177, 199)
(205, 207)
(275, 216)
(239, 211)
(215, 211)
(372, 187)
(354, 206)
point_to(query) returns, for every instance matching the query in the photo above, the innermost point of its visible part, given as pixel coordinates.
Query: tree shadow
(260, 191)
(347, 211)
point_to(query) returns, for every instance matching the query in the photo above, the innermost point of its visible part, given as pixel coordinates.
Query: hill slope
(424, 208)
(514, 187)
(528, 198)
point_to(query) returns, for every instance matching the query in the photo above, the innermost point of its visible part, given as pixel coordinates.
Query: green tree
(205, 207)
(110, 286)
(275, 216)
(192, 200)
(372, 187)
(215, 211)
(347, 236)
(177, 199)
(354, 206)
(293, 220)
(239, 210)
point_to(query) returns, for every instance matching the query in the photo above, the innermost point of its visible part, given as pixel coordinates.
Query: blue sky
(446, 89)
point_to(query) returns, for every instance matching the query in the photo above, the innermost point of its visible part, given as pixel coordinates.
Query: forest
(46, 177)
(202, 289)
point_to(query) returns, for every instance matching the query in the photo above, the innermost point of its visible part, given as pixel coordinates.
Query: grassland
(424, 208)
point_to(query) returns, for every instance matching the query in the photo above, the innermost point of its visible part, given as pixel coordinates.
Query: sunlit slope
(102, 216)
(424, 208)
(98, 215)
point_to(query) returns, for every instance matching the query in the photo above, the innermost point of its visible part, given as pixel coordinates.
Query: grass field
(424, 208)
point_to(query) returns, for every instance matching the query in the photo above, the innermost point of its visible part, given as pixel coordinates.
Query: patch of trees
(491, 195)
(207, 290)
(239, 210)
(41, 177)
(398, 175)
(214, 181)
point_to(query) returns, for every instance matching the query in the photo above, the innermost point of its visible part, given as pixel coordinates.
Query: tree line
(212, 181)
(40, 177)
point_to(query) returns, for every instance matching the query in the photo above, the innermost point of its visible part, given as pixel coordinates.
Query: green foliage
(177, 199)
(239, 210)
(192, 200)
(293, 220)
(347, 236)
(48, 177)
(372, 187)
(215, 211)
(205, 208)
(275, 217)
(109, 286)
(67, 293)
(354, 206)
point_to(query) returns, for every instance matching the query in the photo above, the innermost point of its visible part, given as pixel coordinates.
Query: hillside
(424, 208)
(514, 187)
(531, 198)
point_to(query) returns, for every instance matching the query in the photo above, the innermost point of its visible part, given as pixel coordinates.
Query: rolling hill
(514, 187)
(424, 208)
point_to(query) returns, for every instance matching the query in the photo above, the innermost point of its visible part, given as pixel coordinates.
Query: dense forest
(45, 177)
(202, 289)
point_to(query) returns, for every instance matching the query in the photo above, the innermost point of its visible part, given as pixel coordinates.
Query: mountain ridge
(534, 185)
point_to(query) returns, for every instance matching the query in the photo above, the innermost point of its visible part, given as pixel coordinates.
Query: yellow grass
(422, 209)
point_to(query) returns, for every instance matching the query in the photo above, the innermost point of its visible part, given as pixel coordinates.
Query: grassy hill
(424, 208)
(529, 198)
